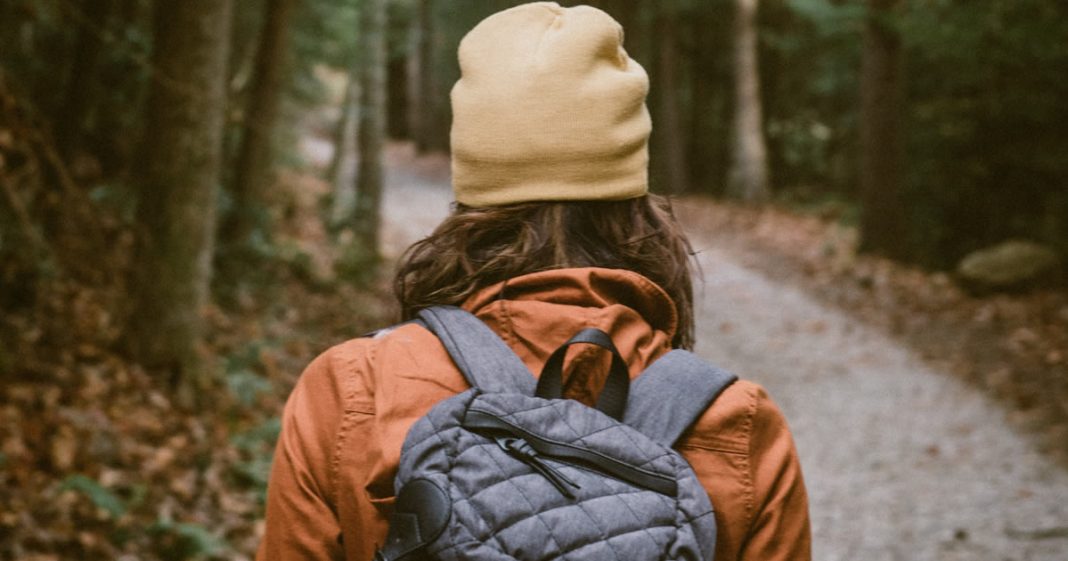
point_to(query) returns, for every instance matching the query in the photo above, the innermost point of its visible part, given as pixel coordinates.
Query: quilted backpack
(509, 470)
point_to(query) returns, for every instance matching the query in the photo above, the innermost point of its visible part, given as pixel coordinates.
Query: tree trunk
(397, 100)
(342, 170)
(710, 79)
(421, 77)
(252, 176)
(82, 88)
(116, 123)
(747, 179)
(449, 22)
(371, 135)
(882, 227)
(669, 134)
(179, 181)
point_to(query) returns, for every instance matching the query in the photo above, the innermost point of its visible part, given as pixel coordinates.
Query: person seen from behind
(554, 230)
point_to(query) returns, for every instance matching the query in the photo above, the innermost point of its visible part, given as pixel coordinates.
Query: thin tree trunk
(440, 67)
(82, 88)
(116, 138)
(747, 179)
(179, 181)
(397, 120)
(420, 76)
(371, 135)
(252, 176)
(670, 134)
(343, 164)
(882, 226)
(710, 122)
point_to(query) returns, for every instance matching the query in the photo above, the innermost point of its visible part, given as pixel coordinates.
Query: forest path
(902, 462)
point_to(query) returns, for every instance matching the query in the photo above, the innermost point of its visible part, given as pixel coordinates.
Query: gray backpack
(509, 470)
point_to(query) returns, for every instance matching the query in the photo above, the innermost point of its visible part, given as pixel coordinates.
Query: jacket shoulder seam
(750, 475)
(353, 407)
(349, 377)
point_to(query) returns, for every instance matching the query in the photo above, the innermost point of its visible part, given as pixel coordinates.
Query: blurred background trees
(934, 126)
(143, 142)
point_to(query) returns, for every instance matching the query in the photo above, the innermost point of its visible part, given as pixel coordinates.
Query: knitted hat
(549, 107)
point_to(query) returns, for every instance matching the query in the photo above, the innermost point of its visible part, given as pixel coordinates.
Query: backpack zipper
(532, 450)
(524, 452)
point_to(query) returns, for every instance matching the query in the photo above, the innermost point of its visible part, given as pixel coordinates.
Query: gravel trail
(902, 462)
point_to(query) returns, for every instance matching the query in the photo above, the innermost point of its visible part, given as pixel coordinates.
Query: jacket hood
(536, 313)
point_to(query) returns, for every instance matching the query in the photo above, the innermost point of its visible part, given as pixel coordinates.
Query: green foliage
(256, 446)
(831, 206)
(324, 33)
(258, 265)
(247, 386)
(100, 496)
(177, 541)
(983, 114)
(33, 38)
(357, 264)
(810, 60)
(240, 371)
(259, 437)
(40, 47)
(117, 199)
(986, 143)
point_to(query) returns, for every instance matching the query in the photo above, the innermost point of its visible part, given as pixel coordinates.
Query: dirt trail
(902, 462)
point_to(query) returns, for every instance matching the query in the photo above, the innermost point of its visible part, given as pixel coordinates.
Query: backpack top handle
(613, 398)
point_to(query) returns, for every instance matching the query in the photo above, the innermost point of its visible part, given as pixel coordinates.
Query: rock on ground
(1015, 264)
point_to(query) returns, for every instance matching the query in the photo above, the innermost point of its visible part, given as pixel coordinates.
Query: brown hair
(477, 247)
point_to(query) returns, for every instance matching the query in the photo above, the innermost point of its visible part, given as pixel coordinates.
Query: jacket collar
(590, 287)
(536, 313)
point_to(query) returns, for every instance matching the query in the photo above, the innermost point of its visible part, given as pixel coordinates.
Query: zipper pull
(523, 451)
(555, 476)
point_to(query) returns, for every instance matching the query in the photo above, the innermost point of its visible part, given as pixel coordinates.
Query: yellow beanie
(548, 107)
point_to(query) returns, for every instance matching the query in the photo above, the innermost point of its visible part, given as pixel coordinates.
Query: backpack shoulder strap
(485, 360)
(672, 394)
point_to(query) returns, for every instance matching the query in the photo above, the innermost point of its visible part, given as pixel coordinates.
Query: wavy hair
(478, 247)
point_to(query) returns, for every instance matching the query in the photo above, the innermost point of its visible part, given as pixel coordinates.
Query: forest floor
(929, 422)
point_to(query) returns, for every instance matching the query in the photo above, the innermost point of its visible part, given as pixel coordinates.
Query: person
(553, 230)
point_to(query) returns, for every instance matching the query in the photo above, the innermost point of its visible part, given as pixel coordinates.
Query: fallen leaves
(97, 461)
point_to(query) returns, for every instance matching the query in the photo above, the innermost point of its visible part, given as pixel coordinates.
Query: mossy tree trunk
(669, 136)
(423, 122)
(340, 173)
(371, 134)
(179, 178)
(882, 226)
(747, 178)
(252, 176)
(83, 90)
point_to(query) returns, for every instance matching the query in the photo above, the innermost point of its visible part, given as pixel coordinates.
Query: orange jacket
(331, 484)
